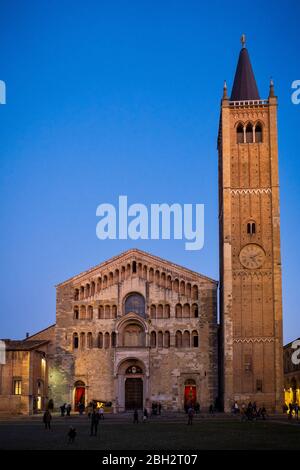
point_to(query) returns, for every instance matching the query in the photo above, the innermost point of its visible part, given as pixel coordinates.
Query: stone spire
(244, 85)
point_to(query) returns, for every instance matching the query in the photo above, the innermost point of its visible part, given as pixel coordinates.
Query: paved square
(159, 433)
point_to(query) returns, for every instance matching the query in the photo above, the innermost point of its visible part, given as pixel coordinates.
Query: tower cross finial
(243, 40)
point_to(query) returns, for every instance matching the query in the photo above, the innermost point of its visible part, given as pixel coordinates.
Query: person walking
(94, 423)
(63, 410)
(290, 411)
(81, 408)
(145, 416)
(296, 409)
(135, 417)
(47, 419)
(190, 415)
(101, 413)
(71, 435)
(69, 409)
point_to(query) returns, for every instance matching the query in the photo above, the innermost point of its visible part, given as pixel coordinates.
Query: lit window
(17, 386)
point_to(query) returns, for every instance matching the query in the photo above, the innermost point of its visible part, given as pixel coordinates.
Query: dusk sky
(109, 98)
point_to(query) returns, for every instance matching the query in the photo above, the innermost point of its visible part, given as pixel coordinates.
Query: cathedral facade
(134, 331)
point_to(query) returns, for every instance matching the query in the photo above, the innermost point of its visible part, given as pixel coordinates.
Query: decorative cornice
(251, 273)
(251, 191)
(254, 340)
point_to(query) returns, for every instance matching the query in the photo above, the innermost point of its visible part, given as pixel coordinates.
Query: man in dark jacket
(47, 419)
(94, 423)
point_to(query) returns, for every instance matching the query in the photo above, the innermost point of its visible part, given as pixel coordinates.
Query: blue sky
(113, 97)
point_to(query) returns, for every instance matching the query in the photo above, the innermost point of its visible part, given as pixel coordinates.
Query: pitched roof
(244, 85)
(15, 345)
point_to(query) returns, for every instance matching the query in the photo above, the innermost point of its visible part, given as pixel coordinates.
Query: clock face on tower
(252, 256)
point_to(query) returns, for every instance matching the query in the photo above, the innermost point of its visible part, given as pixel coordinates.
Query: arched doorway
(79, 394)
(190, 393)
(133, 388)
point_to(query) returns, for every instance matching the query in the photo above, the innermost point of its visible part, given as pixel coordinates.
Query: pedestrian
(62, 410)
(81, 408)
(236, 409)
(290, 411)
(263, 412)
(47, 419)
(94, 423)
(136, 417)
(190, 415)
(50, 405)
(69, 410)
(90, 409)
(71, 435)
(101, 413)
(211, 409)
(159, 408)
(145, 415)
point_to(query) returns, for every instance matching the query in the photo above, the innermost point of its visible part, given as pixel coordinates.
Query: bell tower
(249, 237)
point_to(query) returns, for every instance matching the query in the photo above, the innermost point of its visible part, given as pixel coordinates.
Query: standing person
(136, 417)
(236, 408)
(62, 410)
(69, 410)
(211, 409)
(263, 412)
(94, 423)
(51, 405)
(71, 435)
(159, 408)
(145, 416)
(47, 419)
(290, 411)
(81, 408)
(101, 413)
(190, 415)
(296, 409)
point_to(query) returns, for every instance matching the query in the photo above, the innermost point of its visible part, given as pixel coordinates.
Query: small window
(76, 313)
(258, 133)
(251, 228)
(259, 385)
(134, 267)
(249, 134)
(113, 339)
(195, 339)
(240, 134)
(248, 363)
(153, 339)
(75, 341)
(17, 386)
(89, 340)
